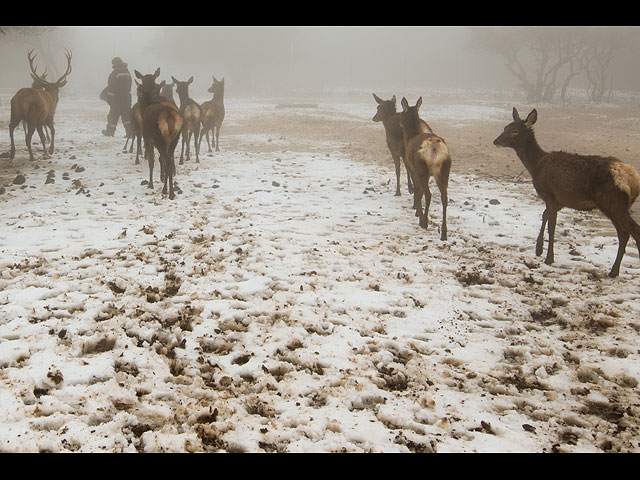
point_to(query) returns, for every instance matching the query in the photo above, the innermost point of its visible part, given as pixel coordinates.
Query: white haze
(272, 60)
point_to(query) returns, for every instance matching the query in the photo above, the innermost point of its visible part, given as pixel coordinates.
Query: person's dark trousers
(117, 111)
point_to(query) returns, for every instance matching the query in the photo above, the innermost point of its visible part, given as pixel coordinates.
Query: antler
(31, 58)
(67, 53)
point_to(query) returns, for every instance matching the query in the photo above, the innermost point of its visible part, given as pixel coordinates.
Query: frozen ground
(286, 301)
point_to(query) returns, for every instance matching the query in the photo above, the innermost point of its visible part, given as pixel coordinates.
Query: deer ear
(174, 79)
(156, 74)
(393, 99)
(377, 99)
(405, 104)
(516, 115)
(419, 103)
(138, 74)
(190, 81)
(531, 118)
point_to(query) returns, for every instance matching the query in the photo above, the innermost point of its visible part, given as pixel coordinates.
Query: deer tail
(434, 152)
(169, 125)
(627, 179)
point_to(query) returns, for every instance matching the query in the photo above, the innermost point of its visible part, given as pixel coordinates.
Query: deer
(136, 130)
(136, 117)
(386, 113)
(579, 182)
(427, 155)
(36, 83)
(37, 107)
(191, 112)
(161, 128)
(213, 113)
(166, 91)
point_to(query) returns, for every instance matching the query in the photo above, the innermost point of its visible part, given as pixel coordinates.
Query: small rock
(19, 180)
(494, 201)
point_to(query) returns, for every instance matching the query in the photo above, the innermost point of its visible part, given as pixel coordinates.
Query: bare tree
(534, 55)
(600, 48)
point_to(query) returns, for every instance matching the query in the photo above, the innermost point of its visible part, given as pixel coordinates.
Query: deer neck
(54, 95)
(529, 152)
(411, 127)
(184, 98)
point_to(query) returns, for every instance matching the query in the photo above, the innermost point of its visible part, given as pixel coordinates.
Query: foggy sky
(274, 60)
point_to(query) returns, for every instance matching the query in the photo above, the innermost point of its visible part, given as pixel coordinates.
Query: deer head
(410, 118)
(217, 87)
(39, 81)
(182, 88)
(386, 108)
(517, 132)
(148, 85)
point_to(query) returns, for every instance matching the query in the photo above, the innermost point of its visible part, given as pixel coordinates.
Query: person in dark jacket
(118, 95)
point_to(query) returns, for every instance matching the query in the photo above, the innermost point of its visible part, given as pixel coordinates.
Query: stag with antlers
(37, 107)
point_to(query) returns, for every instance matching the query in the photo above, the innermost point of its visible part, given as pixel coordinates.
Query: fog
(277, 60)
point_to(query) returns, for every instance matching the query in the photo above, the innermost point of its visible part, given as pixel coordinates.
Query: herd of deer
(157, 121)
(581, 182)
(561, 179)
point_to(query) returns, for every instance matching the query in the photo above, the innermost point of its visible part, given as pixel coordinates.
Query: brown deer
(166, 91)
(580, 182)
(213, 113)
(135, 132)
(191, 113)
(38, 84)
(161, 127)
(427, 155)
(386, 113)
(37, 107)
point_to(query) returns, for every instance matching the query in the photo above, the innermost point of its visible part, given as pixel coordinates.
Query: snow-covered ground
(288, 302)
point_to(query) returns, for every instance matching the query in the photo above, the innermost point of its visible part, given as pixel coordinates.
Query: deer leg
(169, 167)
(42, 137)
(12, 127)
(182, 150)
(540, 239)
(396, 163)
(217, 138)
(623, 238)
(409, 182)
(635, 232)
(443, 197)
(625, 226)
(138, 149)
(53, 134)
(424, 221)
(417, 200)
(208, 144)
(150, 154)
(30, 130)
(551, 225)
(189, 135)
(196, 142)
